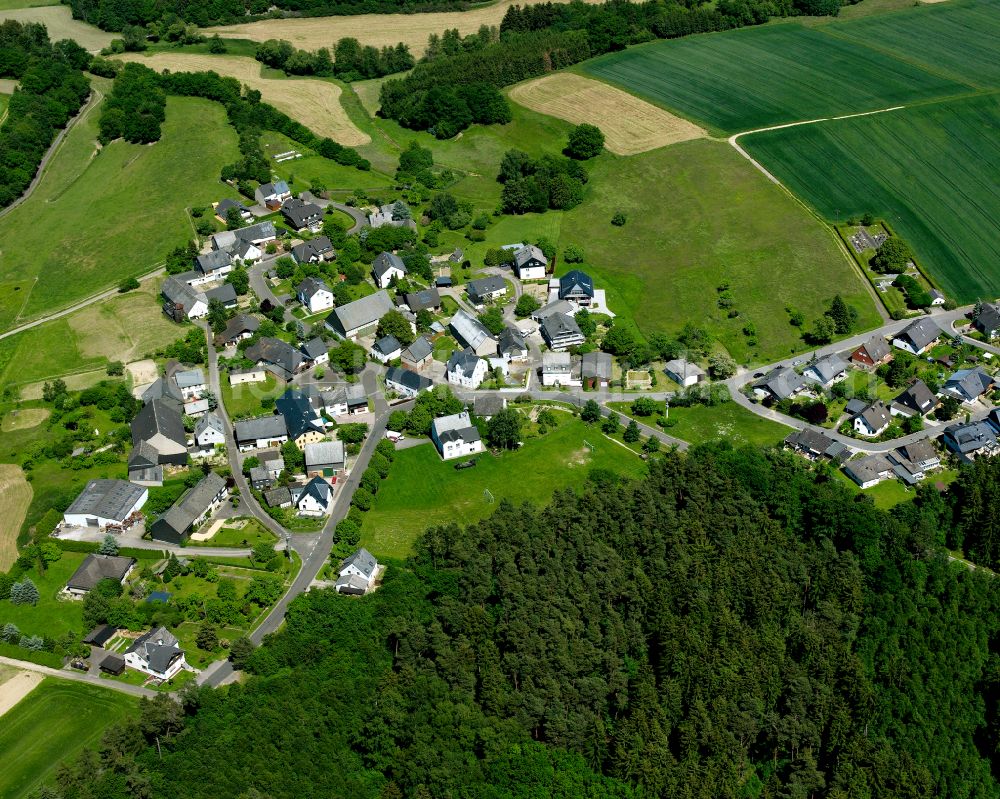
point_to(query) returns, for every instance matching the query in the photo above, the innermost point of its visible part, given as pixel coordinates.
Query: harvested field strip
(378, 30)
(16, 687)
(23, 419)
(15, 497)
(630, 125)
(928, 170)
(755, 77)
(314, 103)
(61, 25)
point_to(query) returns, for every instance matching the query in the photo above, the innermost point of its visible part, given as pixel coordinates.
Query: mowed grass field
(99, 215)
(757, 77)
(55, 721)
(15, 497)
(58, 20)
(930, 171)
(422, 490)
(699, 215)
(313, 102)
(699, 424)
(630, 125)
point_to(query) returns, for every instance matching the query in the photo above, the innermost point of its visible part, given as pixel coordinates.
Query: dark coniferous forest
(733, 626)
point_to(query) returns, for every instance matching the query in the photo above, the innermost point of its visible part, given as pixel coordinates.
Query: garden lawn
(98, 216)
(243, 400)
(929, 171)
(304, 172)
(422, 490)
(240, 538)
(699, 216)
(54, 722)
(52, 616)
(730, 422)
(768, 75)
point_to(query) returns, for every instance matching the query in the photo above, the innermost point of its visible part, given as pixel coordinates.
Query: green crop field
(55, 721)
(99, 216)
(699, 216)
(930, 171)
(422, 490)
(755, 77)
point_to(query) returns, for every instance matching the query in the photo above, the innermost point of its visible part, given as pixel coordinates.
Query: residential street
(80, 676)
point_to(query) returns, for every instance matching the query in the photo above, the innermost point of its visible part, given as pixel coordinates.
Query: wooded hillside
(733, 625)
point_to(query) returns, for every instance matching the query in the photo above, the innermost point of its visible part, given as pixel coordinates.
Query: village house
(385, 267)
(577, 287)
(915, 400)
(222, 210)
(418, 354)
(968, 385)
(873, 420)
(325, 459)
(406, 383)
(314, 251)
(272, 195)
(395, 214)
(95, 568)
(561, 332)
(278, 497)
(486, 406)
(455, 436)
(175, 525)
(386, 349)
(263, 431)
(684, 373)
(918, 337)
(486, 289)
(278, 357)
(191, 383)
(425, 300)
(557, 369)
(869, 471)
(596, 368)
(357, 573)
(913, 461)
(988, 320)
(815, 445)
(554, 307)
(872, 353)
(238, 328)
(212, 265)
(530, 263)
(209, 432)
(315, 352)
(157, 654)
(304, 423)
(300, 215)
(511, 344)
(160, 424)
(226, 294)
(780, 383)
(826, 371)
(471, 334)
(254, 374)
(314, 295)
(349, 400)
(359, 317)
(466, 369)
(181, 302)
(970, 440)
(104, 503)
(315, 499)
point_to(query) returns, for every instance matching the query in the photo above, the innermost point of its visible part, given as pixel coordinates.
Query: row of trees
(349, 61)
(51, 90)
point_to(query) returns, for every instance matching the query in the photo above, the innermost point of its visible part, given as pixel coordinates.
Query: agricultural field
(930, 171)
(422, 490)
(313, 102)
(755, 77)
(99, 215)
(54, 722)
(58, 20)
(630, 125)
(379, 30)
(717, 221)
(15, 497)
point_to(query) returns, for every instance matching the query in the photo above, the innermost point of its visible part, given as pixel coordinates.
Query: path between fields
(114, 685)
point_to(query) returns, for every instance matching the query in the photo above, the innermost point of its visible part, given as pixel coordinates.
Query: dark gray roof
(424, 300)
(919, 451)
(782, 382)
(99, 567)
(277, 497)
(210, 261)
(455, 427)
(271, 189)
(209, 420)
(855, 406)
(828, 368)
(189, 378)
(316, 247)
(324, 452)
(560, 325)
(419, 349)
(488, 405)
(921, 333)
(300, 213)
(162, 388)
(969, 382)
(388, 345)
(298, 412)
(385, 261)
(869, 468)
(596, 364)
(410, 380)
(178, 292)
(277, 353)
(143, 456)
(100, 635)
(574, 283)
(226, 294)
(158, 648)
(363, 560)
(224, 205)
(917, 398)
(485, 285)
(159, 416)
(241, 323)
(965, 438)
(193, 504)
(261, 427)
(465, 361)
(528, 254)
(318, 489)
(310, 286)
(510, 340)
(360, 313)
(108, 499)
(989, 318)
(876, 415)
(314, 348)
(816, 444)
(876, 347)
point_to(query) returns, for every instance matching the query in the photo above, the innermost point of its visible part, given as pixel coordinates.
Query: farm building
(160, 424)
(96, 568)
(105, 502)
(325, 459)
(470, 333)
(174, 526)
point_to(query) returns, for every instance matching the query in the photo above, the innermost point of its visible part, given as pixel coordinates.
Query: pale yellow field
(76, 382)
(15, 497)
(24, 418)
(61, 25)
(314, 103)
(18, 686)
(630, 125)
(378, 30)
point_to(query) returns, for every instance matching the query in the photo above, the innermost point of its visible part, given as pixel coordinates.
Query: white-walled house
(873, 420)
(314, 295)
(455, 436)
(209, 432)
(530, 263)
(157, 654)
(315, 499)
(466, 369)
(357, 573)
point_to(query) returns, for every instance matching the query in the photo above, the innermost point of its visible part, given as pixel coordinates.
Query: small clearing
(17, 687)
(15, 497)
(23, 418)
(142, 372)
(61, 25)
(314, 103)
(379, 30)
(630, 125)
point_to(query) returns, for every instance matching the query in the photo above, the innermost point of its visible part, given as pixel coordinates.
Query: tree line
(350, 60)
(136, 107)
(735, 624)
(51, 89)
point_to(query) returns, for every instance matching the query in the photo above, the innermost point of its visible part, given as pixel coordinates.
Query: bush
(619, 219)
(585, 141)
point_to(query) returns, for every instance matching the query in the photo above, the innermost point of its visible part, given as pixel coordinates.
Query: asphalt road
(80, 676)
